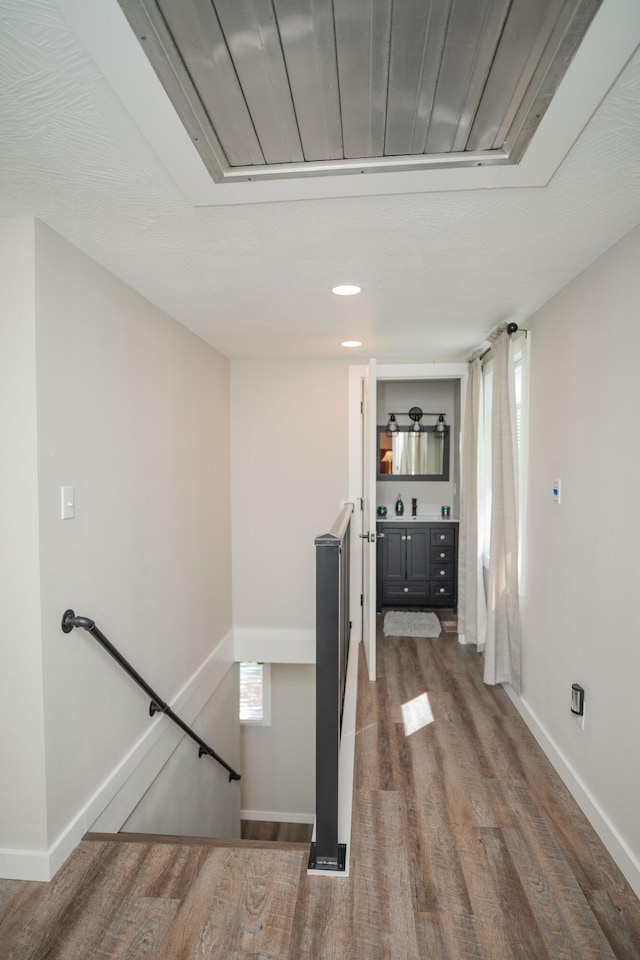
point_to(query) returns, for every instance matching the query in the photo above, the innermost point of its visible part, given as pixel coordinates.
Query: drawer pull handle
(406, 589)
(403, 537)
(442, 536)
(409, 537)
(443, 573)
(442, 590)
(442, 555)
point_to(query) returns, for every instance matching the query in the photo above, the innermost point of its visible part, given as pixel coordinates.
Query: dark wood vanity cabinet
(417, 564)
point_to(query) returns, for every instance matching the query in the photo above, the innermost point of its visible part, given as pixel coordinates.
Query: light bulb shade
(416, 428)
(392, 426)
(441, 427)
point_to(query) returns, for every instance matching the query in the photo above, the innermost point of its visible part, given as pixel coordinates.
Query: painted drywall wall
(133, 412)
(22, 795)
(192, 797)
(279, 760)
(289, 474)
(289, 458)
(441, 396)
(579, 606)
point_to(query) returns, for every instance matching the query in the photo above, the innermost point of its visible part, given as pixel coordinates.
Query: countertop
(421, 518)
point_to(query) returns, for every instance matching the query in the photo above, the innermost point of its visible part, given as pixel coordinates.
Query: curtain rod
(511, 328)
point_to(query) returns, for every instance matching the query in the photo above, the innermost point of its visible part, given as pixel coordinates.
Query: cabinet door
(394, 553)
(417, 554)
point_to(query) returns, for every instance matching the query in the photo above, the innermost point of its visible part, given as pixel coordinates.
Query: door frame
(384, 371)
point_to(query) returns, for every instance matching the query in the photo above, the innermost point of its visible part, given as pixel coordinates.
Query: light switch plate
(67, 503)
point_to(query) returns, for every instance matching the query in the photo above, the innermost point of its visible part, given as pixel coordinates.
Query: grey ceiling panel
(253, 39)
(483, 62)
(200, 40)
(362, 44)
(417, 43)
(277, 88)
(525, 35)
(308, 41)
(472, 36)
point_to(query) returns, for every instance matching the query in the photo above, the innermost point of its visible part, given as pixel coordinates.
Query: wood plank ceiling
(276, 88)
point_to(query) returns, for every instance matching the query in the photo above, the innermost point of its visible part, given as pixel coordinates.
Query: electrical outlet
(557, 485)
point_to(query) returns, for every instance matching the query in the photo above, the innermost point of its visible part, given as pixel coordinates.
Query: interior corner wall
(23, 821)
(581, 556)
(133, 413)
(289, 457)
(197, 799)
(279, 760)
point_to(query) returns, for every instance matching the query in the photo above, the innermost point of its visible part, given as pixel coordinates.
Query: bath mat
(410, 623)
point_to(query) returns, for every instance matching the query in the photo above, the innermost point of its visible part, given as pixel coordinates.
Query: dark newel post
(328, 587)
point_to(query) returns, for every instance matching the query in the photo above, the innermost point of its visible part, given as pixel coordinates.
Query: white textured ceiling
(438, 269)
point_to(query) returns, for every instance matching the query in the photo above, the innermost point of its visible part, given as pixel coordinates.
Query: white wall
(190, 797)
(289, 473)
(289, 428)
(581, 562)
(133, 411)
(279, 761)
(22, 795)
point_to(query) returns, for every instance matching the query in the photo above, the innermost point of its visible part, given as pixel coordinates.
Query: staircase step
(195, 841)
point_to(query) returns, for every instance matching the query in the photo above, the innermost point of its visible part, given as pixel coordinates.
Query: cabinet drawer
(442, 571)
(407, 590)
(441, 535)
(443, 554)
(442, 591)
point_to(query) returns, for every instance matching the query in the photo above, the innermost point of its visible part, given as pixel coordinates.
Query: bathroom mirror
(407, 455)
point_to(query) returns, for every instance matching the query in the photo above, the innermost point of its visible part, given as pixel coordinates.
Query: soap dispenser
(399, 506)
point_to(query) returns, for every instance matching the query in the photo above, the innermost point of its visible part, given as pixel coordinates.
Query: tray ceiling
(91, 144)
(294, 88)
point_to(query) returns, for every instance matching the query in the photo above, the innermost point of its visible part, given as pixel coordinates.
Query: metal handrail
(340, 524)
(157, 705)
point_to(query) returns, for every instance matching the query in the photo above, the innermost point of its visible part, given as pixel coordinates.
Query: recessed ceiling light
(346, 290)
(351, 343)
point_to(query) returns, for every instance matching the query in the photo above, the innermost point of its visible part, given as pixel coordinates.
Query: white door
(369, 461)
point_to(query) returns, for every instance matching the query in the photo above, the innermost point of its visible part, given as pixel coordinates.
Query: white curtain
(502, 651)
(472, 607)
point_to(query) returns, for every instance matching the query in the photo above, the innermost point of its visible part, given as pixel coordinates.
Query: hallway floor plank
(465, 846)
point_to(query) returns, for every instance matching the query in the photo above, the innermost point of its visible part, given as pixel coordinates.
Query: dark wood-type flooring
(465, 846)
(272, 831)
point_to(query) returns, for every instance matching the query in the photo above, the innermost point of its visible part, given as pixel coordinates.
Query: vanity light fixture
(351, 343)
(346, 290)
(416, 415)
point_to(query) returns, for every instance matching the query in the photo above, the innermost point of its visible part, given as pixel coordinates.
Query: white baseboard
(112, 803)
(276, 816)
(274, 645)
(25, 865)
(615, 844)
